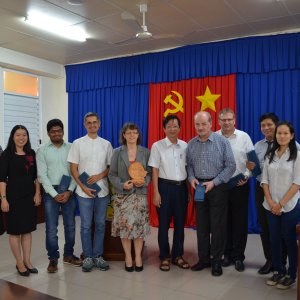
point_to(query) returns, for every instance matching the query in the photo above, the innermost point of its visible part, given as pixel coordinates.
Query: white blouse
(280, 175)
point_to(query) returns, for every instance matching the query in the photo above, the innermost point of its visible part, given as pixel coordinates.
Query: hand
(194, 183)
(37, 199)
(89, 192)
(209, 185)
(63, 198)
(250, 165)
(128, 185)
(276, 209)
(4, 205)
(93, 179)
(242, 182)
(157, 199)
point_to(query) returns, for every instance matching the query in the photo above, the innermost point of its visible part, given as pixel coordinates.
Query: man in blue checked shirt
(52, 164)
(210, 162)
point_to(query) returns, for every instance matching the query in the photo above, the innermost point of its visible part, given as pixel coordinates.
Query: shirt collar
(50, 144)
(169, 143)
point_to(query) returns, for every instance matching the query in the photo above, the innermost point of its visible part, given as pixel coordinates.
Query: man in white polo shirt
(92, 154)
(237, 222)
(168, 162)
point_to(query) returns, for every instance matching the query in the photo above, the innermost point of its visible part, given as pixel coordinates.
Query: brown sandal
(181, 263)
(165, 265)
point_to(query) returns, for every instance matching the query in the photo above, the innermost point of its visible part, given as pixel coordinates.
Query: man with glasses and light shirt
(237, 222)
(168, 162)
(92, 154)
(210, 164)
(52, 164)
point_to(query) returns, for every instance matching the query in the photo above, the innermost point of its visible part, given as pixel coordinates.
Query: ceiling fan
(140, 29)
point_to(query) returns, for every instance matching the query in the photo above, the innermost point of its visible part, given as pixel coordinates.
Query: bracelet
(3, 196)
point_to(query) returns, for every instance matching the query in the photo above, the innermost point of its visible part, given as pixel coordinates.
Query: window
(21, 105)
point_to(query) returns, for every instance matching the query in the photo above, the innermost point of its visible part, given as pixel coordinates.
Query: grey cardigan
(118, 172)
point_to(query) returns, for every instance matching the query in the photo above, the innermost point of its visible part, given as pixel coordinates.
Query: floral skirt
(131, 216)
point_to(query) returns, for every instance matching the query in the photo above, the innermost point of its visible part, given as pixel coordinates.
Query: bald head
(202, 121)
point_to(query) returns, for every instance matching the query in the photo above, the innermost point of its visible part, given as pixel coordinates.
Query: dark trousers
(284, 226)
(211, 220)
(174, 200)
(263, 222)
(237, 222)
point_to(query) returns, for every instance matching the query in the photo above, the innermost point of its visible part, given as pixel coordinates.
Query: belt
(205, 180)
(174, 182)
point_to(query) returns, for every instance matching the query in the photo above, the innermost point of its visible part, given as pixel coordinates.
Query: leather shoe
(129, 269)
(25, 273)
(200, 266)
(139, 269)
(216, 269)
(33, 270)
(226, 261)
(239, 265)
(266, 268)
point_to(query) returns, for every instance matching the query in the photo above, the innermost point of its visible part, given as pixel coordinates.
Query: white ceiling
(173, 23)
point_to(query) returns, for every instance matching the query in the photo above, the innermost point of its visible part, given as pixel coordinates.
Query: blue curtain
(268, 74)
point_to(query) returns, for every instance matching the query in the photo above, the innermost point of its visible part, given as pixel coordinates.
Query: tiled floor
(71, 283)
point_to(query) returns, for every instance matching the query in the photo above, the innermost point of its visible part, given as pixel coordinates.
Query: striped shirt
(210, 159)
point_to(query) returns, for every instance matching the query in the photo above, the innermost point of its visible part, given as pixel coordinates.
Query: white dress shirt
(169, 159)
(280, 174)
(241, 144)
(93, 156)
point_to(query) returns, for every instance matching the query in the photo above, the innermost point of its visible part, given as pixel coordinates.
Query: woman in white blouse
(281, 183)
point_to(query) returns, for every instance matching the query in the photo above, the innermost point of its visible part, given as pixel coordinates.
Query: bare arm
(4, 202)
(156, 196)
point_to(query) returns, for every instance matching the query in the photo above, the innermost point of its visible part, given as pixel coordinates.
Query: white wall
(54, 103)
(54, 99)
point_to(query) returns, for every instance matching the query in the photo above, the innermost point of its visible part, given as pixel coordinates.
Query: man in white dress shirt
(92, 154)
(237, 230)
(168, 162)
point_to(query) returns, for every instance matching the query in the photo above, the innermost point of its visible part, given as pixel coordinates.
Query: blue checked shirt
(210, 159)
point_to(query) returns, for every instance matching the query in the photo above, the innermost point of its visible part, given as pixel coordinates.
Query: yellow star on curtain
(208, 100)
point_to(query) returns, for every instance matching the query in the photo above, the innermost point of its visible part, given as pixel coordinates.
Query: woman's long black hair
(292, 143)
(11, 146)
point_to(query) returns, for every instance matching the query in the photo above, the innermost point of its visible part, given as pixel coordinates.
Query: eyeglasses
(226, 120)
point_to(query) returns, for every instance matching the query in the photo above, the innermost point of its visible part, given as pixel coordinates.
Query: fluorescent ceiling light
(56, 26)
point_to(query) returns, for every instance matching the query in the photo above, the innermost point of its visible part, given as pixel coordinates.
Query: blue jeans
(284, 226)
(89, 208)
(51, 218)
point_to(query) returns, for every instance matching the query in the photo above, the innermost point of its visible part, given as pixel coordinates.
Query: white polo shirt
(169, 159)
(93, 156)
(241, 144)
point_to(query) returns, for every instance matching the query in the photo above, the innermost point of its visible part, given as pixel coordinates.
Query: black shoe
(129, 269)
(239, 265)
(33, 270)
(25, 273)
(227, 261)
(266, 268)
(200, 266)
(216, 269)
(139, 269)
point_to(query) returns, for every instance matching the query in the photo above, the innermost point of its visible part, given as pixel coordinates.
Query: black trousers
(263, 222)
(211, 220)
(174, 201)
(237, 222)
